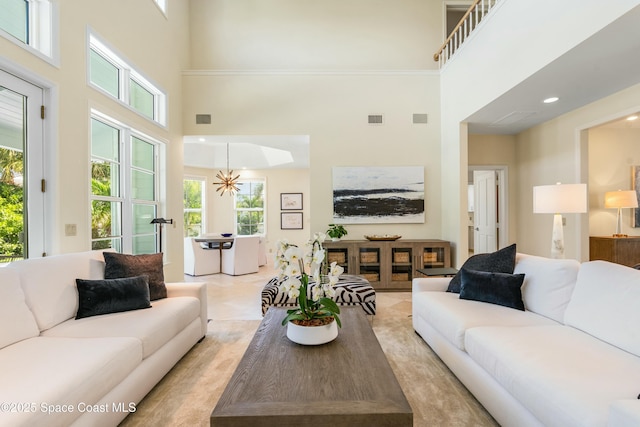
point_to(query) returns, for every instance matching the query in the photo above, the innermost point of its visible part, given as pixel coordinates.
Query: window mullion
(125, 179)
(125, 84)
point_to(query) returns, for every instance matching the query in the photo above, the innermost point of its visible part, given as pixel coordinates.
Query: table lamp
(620, 199)
(558, 199)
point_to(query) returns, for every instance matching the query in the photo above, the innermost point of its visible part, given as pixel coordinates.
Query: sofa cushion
(49, 284)
(548, 284)
(62, 371)
(452, 316)
(154, 327)
(16, 319)
(501, 261)
(494, 288)
(119, 266)
(112, 295)
(605, 304)
(563, 376)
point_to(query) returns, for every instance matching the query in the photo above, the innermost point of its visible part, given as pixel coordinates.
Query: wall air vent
(203, 119)
(420, 118)
(375, 119)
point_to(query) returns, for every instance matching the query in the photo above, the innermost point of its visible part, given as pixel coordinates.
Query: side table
(431, 272)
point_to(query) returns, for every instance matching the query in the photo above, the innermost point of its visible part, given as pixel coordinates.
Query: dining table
(220, 243)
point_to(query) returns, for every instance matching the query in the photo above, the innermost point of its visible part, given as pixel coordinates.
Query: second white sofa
(572, 358)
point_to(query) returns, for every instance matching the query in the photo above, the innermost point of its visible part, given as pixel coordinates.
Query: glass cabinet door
(401, 264)
(369, 258)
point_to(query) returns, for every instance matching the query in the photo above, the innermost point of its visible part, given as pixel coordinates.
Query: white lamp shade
(560, 198)
(621, 199)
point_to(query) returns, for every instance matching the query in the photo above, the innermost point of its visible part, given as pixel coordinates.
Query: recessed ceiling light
(550, 100)
(632, 118)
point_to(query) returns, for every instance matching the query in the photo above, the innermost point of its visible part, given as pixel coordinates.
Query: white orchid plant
(314, 301)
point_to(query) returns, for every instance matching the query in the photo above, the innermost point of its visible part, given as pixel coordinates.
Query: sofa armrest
(624, 413)
(192, 289)
(437, 284)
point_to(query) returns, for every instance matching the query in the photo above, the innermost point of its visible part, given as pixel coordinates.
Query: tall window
(29, 23)
(114, 76)
(124, 188)
(193, 206)
(250, 207)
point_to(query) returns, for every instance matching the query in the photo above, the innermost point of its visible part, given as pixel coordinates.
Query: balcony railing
(476, 12)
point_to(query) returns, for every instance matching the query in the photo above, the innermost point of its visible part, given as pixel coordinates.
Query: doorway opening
(488, 208)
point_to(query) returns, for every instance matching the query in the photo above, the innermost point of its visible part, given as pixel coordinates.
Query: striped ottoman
(350, 290)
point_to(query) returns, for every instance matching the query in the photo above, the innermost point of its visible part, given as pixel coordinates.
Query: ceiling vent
(203, 119)
(420, 118)
(375, 119)
(512, 118)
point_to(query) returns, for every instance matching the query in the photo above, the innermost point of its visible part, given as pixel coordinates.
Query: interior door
(22, 225)
(485, 218)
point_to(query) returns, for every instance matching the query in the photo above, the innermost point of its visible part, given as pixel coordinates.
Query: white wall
(158, 47)
(315, 35)
(289, 69)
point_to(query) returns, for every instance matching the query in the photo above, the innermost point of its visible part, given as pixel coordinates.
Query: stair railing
(478, 10)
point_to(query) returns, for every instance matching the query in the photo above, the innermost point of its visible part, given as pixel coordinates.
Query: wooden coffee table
(347, 382)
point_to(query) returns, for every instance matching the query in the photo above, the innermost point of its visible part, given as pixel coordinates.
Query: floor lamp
(558, 199)
(620, 199)
(161, 221)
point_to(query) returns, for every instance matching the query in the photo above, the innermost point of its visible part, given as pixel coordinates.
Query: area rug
(190, 391)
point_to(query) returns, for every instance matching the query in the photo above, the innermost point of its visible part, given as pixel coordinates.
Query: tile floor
(238, 297)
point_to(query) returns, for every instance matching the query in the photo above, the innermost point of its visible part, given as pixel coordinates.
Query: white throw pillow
(548, 284)
(16, 319)
(49, 284)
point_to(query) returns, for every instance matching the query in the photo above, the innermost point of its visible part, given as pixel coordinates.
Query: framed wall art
(369, 195)
(290, 201)
(291, 220)
(635, 183)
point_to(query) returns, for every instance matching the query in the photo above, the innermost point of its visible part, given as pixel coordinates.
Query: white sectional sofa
(56, 370)
(572, 358)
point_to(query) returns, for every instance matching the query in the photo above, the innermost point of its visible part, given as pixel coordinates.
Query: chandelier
(227, 182)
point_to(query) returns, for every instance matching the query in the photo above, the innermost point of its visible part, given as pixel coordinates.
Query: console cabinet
(389, 265)
(621, 250)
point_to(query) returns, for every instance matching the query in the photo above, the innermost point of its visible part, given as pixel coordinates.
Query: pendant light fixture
(227, 182)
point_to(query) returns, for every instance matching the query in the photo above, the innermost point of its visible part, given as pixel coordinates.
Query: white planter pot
(312, 335)
(335, 239)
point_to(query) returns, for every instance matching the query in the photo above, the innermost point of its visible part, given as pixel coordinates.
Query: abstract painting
(635, 178)
(368, 195)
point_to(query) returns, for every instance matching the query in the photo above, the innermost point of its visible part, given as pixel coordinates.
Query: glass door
(22, 219)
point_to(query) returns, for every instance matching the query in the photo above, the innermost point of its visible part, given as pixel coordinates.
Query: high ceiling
(606, 63)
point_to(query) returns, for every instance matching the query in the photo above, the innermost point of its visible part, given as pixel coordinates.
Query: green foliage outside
(192, 200)
(11, 204)
(100, 210)
(250, 208)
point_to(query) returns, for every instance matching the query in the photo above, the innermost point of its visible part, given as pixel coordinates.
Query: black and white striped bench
(350, 290)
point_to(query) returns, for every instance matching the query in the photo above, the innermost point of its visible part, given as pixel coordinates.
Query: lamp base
(557, 238)
(618, 235)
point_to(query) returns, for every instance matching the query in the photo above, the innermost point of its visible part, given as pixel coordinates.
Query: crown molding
(310, 72)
